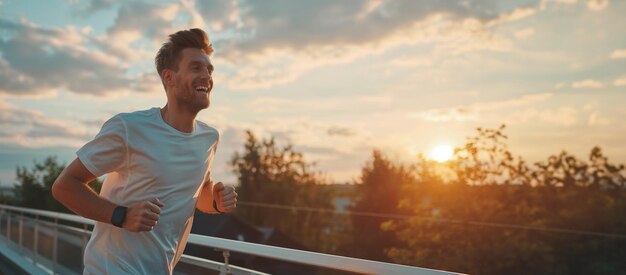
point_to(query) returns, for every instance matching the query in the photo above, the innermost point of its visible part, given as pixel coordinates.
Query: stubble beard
(191, 103)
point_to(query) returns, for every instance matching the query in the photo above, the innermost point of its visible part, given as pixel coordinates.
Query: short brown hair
(169, 54)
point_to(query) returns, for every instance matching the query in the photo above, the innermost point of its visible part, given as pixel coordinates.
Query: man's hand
(225, 197)
(142, 216)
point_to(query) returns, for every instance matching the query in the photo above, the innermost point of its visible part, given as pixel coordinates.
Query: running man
(158, 167)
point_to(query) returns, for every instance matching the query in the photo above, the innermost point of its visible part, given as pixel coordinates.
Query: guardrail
(32, 219)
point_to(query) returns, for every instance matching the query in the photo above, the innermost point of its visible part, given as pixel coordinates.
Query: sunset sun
(442, 153)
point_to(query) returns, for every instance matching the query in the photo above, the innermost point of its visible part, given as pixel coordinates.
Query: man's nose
(206, 73)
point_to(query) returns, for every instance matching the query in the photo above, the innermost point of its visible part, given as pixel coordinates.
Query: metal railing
(49, 231)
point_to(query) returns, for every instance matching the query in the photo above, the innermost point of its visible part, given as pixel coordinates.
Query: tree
(34, 187)
(566, 170)
(6, 199)
(270, 174)
(486, 159)
(379, 191)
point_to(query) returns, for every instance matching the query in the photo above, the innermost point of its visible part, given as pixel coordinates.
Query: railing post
(226, 269)
(54, 245)
(8, 229)
(36, 239)
(20, 233)
(1, 214)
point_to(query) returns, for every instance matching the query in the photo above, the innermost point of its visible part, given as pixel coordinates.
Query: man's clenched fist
(142, 216)
(225, 197)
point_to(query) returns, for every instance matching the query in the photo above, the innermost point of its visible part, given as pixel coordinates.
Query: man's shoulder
(203, 127)
(130, 117)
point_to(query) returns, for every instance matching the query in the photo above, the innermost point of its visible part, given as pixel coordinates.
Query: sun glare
(442, 153)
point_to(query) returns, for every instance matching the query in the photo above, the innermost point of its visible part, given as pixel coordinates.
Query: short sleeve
(108, 150)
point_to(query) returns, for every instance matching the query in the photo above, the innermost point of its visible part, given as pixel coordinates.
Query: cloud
(514, 15)
(473, 112)
(620, 81)
(559, 85)
(220, 15)
(375, 99)
(565, 116)
(294, 25)
(34, 129)
(618, 53)
(147, 82)
(38, 60)
(278, 41)
(453, 114)
(94, 6)
(154, 21)
(524, 33)
(587, 83)
(340, 131)
(596, 120)
(316, 150)
(597, 5)
(287, 106)
(278, 66)
(271, 104)
(412, 61)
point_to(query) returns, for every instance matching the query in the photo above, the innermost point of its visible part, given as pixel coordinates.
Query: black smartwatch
(215, 207)
(119, 214)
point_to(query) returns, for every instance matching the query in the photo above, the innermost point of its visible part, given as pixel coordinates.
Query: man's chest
(170, 162)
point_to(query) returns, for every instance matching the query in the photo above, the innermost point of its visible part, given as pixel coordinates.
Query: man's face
(193, 80)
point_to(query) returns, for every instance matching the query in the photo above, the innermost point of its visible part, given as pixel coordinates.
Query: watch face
(118, 216)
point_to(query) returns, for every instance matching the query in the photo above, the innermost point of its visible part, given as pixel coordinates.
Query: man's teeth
(203, 89)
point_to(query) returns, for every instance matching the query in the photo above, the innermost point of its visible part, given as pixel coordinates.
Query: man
(158, 164)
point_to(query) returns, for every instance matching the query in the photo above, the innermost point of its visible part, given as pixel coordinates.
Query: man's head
(185, 69)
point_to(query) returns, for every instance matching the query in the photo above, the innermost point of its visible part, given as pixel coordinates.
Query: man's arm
(224, 196)
(205, 201)
(72, 190)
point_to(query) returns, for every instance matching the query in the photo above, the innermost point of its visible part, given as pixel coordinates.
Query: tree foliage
(491, 217)
(270, 174)
(34, 186)
(379, 188)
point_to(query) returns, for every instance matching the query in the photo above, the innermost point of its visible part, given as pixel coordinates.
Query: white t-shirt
(146, 158)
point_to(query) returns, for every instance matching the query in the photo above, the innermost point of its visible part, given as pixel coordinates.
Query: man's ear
(168, 77)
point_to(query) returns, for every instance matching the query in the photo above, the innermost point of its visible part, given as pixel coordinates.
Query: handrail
(312, 258)
(49, 214)
(266, 251)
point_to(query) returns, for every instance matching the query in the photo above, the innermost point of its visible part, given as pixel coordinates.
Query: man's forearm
(82, 200)
(205, 201)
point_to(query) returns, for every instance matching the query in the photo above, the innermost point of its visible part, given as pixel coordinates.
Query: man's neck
(178, 118)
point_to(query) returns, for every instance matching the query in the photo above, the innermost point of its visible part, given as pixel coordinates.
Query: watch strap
(215, 207)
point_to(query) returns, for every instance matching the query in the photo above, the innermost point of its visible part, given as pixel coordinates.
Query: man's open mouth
(202, 89)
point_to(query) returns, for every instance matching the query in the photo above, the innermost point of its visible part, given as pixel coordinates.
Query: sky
(336, 79)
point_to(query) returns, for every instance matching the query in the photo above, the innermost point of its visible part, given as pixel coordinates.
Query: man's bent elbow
(57, 190)
(60, 187)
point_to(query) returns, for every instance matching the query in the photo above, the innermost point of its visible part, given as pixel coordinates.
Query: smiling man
(158, 167)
